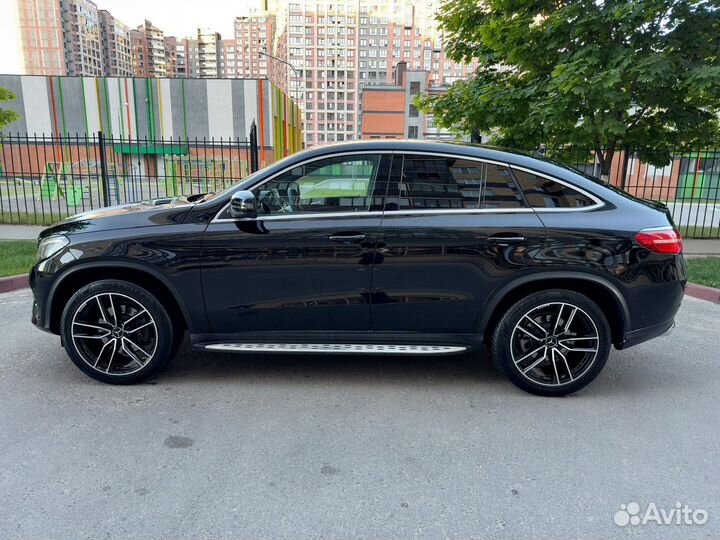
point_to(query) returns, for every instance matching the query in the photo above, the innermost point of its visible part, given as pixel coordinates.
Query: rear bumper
(635, 337)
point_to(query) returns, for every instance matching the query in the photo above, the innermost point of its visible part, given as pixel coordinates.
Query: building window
(413, 111)
(412, 132)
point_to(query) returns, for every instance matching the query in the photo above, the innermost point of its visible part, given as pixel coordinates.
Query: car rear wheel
(552, 343)
(117, 332)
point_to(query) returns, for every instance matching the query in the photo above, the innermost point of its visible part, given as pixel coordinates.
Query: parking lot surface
(222, 446)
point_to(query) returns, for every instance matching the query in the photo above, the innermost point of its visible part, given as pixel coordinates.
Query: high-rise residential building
(227, 58)
(208, 43)
(171, 59)
(187, 58)
(148, 50)
(116, 46)
(253, 35)
(81, 35)
(41, 37)
(339, 47)
(72, 37)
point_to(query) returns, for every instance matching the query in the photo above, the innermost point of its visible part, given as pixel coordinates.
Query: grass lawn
(704, 270)
(17, 256)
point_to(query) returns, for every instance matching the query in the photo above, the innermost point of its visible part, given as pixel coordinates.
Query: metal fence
(43, 179)
(689, 182)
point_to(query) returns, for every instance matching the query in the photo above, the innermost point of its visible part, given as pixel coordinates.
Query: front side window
(453, 183)
(542, 192)
(338, 184)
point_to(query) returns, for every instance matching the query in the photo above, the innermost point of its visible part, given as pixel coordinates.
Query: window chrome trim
(387, 214)
(599, 203)
(289, 168)
(284, 217)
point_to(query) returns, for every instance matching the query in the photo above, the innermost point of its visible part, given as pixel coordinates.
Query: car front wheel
(117, 332)
(552, 343)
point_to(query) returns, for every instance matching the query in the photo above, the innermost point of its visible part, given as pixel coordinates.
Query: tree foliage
(597, 73)
(6, 115)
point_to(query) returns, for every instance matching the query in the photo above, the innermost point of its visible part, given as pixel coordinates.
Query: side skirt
(338, 343)
(334, 348)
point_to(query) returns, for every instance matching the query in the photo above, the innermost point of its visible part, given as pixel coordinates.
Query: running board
(337, 348)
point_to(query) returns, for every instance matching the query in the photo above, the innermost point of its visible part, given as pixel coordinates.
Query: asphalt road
(355, 447)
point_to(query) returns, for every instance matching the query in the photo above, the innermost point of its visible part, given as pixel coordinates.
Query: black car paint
(419, 278)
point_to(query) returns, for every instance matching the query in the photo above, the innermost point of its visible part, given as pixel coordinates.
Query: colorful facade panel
(156, 109)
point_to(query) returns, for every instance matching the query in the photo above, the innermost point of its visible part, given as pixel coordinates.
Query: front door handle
(506, 239)
(347, 238)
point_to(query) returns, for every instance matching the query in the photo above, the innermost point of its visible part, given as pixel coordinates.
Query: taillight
(661, 240)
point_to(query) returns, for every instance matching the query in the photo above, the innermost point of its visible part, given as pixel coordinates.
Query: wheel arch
(605, 294)
(79, 276)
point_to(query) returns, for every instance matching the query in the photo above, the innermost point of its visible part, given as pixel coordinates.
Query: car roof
(504, 155)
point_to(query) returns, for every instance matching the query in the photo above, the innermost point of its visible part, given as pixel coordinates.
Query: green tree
(597, 73)
(6, 115)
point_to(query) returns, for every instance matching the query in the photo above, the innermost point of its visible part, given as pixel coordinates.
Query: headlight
(51, 245)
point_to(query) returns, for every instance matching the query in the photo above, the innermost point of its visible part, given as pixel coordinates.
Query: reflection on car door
(305, 263)
(453, 230)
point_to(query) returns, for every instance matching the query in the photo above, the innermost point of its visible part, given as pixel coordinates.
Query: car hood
(148, 213)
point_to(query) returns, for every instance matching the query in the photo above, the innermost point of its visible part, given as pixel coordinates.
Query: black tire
(518, 351)
(132, 353)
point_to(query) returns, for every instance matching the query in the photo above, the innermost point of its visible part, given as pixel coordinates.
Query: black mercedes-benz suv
(383, 247)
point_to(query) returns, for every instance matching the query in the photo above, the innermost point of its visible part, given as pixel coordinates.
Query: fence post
(253, 148)
(626, 158)
(103, 170)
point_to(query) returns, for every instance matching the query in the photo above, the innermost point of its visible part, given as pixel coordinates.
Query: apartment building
(227, 55)
(207, 53)
(116, 46)
(81, 36)
(253, 35)
(41, 37)
(203, 57)
(388, 111)
(171, 59)
(148, 51)
(338, 48)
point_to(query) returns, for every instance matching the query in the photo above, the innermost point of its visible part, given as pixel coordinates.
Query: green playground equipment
(699, 176)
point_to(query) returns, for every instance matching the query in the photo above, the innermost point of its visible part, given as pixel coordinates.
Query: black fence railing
(689, 183)
(43, 179)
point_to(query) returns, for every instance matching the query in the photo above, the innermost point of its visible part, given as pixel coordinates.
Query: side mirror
(242, 205)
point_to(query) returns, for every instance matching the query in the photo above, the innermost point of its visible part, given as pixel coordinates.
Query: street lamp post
(290, 66)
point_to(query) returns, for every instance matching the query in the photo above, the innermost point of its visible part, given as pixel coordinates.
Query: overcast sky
(178, 18)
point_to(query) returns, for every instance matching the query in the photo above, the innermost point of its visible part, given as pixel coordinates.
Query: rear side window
(542, 192)
(432, 182)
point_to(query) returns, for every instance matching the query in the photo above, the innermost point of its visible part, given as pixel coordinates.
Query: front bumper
(40, 288)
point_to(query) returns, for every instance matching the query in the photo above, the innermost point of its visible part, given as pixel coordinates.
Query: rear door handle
(506, 239)
(347, 238)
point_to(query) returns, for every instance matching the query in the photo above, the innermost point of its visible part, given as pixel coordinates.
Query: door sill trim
(334, 348)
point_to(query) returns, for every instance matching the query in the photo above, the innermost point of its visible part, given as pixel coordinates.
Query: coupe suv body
(382, 247)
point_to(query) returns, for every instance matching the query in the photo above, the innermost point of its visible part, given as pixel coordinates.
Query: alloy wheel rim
(114, 334)
(554, 344)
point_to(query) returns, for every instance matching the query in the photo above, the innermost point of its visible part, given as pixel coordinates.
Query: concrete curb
(13, 283)
(703, 293)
